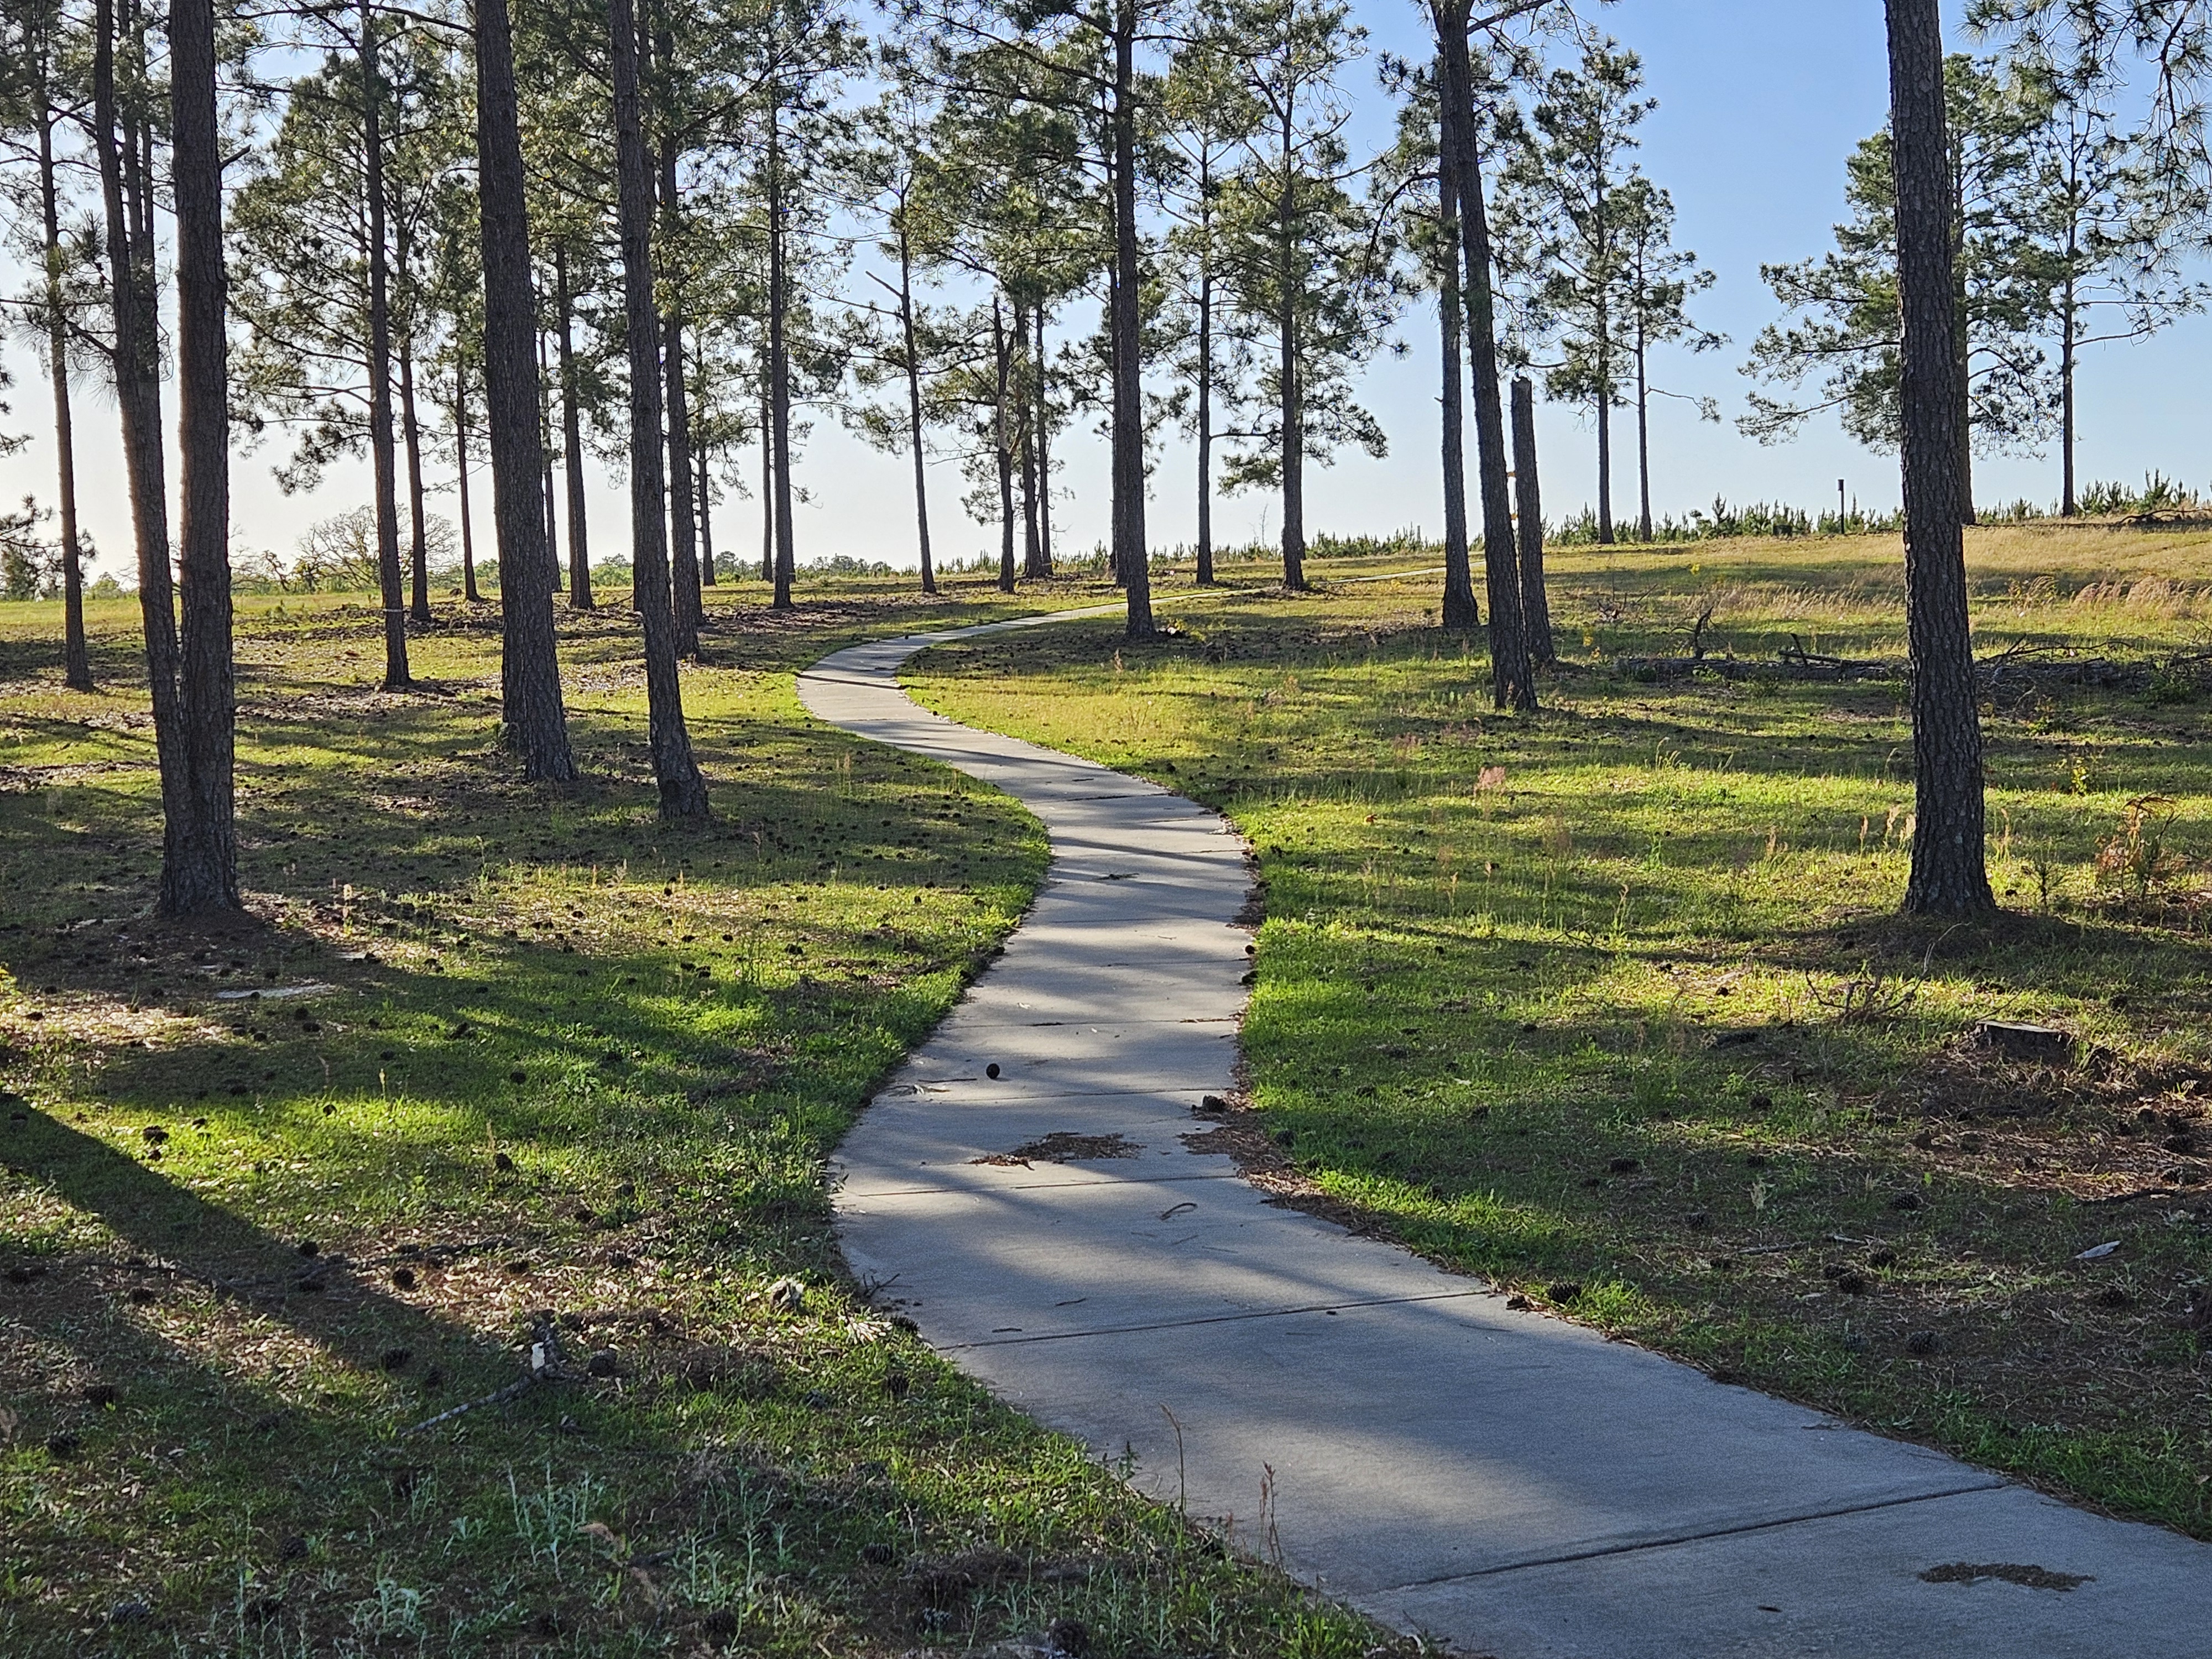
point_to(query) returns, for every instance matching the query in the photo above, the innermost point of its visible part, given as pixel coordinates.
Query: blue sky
(1760, 102)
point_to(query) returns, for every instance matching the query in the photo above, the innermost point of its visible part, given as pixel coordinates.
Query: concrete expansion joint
(1244, 1317)
(1678, 1540)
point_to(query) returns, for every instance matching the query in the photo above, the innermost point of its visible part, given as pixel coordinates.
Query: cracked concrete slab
(1511, 1484)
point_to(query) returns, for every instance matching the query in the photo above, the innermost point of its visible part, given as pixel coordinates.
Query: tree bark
(572, 437)
(138, 398)
(683, 791)
(768, 484)
(1205, 367)
(76, 656)
(2068, 504)
(706, 522)
(461, 484)
(1002, 433)
(1528, 500)
(1513, 680)
(913, 405)
(1025, 445)
(390, 580)
(199, 864)
(549, 491)
(1460, 608)
(537, 724)
(1293, 458)
(779, 357)
(1131, 553)
(1949, 876)
(1643, 433)
(1040, 430)
(1607, 536)
(410, 427)
(684, 546)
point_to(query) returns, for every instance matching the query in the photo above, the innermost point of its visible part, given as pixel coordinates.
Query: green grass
(482, 1062)
(1612, 1005)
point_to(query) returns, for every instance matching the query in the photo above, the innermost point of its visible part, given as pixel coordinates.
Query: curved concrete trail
(1514, 1484)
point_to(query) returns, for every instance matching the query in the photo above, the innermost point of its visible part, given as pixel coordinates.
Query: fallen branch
(544, 1364)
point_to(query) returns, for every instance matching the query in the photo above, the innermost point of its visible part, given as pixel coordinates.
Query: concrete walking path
(1511, 1484)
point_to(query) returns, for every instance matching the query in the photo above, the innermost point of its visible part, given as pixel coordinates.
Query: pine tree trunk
(76, 656)
(1025, 445)
(137, 365)
(684, 545)
(1002, 434)
(1606, 536)
(706, 522)
(1293, 458)
(1041, 427)
(1528, 500)
(767, 486)
(391, 579)
(1460, 608)
(1131, 553)
(913, 407)
(572, 437)
(1643, 434)
(418, 545)
(1513, 680)
(778, 356)
(1949, 876)
(683, 791)
(1205, 370)
(461, 484)
(2068, 504)
(199, 865)
(549, 491)
(536, 723)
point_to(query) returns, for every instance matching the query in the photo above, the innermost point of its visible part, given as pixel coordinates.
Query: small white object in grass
(2098, 1252)
(788, 1294)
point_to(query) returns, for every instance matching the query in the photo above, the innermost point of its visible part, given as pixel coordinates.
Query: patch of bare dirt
(1063, 1148)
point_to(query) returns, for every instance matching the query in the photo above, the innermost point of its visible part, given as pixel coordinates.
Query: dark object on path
(2022, 1041)
(1062, 1147)
(992, 1070)
(604, 1363)
(1966, 1573)
(404, 1278)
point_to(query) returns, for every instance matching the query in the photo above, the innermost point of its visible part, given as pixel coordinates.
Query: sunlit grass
(491, 1054)
(1613, 1005)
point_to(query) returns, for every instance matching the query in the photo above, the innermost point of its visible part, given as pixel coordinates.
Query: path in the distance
(1513, 1483)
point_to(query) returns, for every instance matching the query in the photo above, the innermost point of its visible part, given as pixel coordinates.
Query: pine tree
(1310, 288)
(1949, 875)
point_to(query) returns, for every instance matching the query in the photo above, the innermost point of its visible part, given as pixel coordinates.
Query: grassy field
(488, 1073)
(1613, 1005)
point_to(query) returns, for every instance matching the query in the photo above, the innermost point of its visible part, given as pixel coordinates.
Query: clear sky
(1760, 102)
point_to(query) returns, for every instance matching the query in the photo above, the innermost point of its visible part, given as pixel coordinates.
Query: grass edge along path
(491, 1077)
(1768, 1148)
